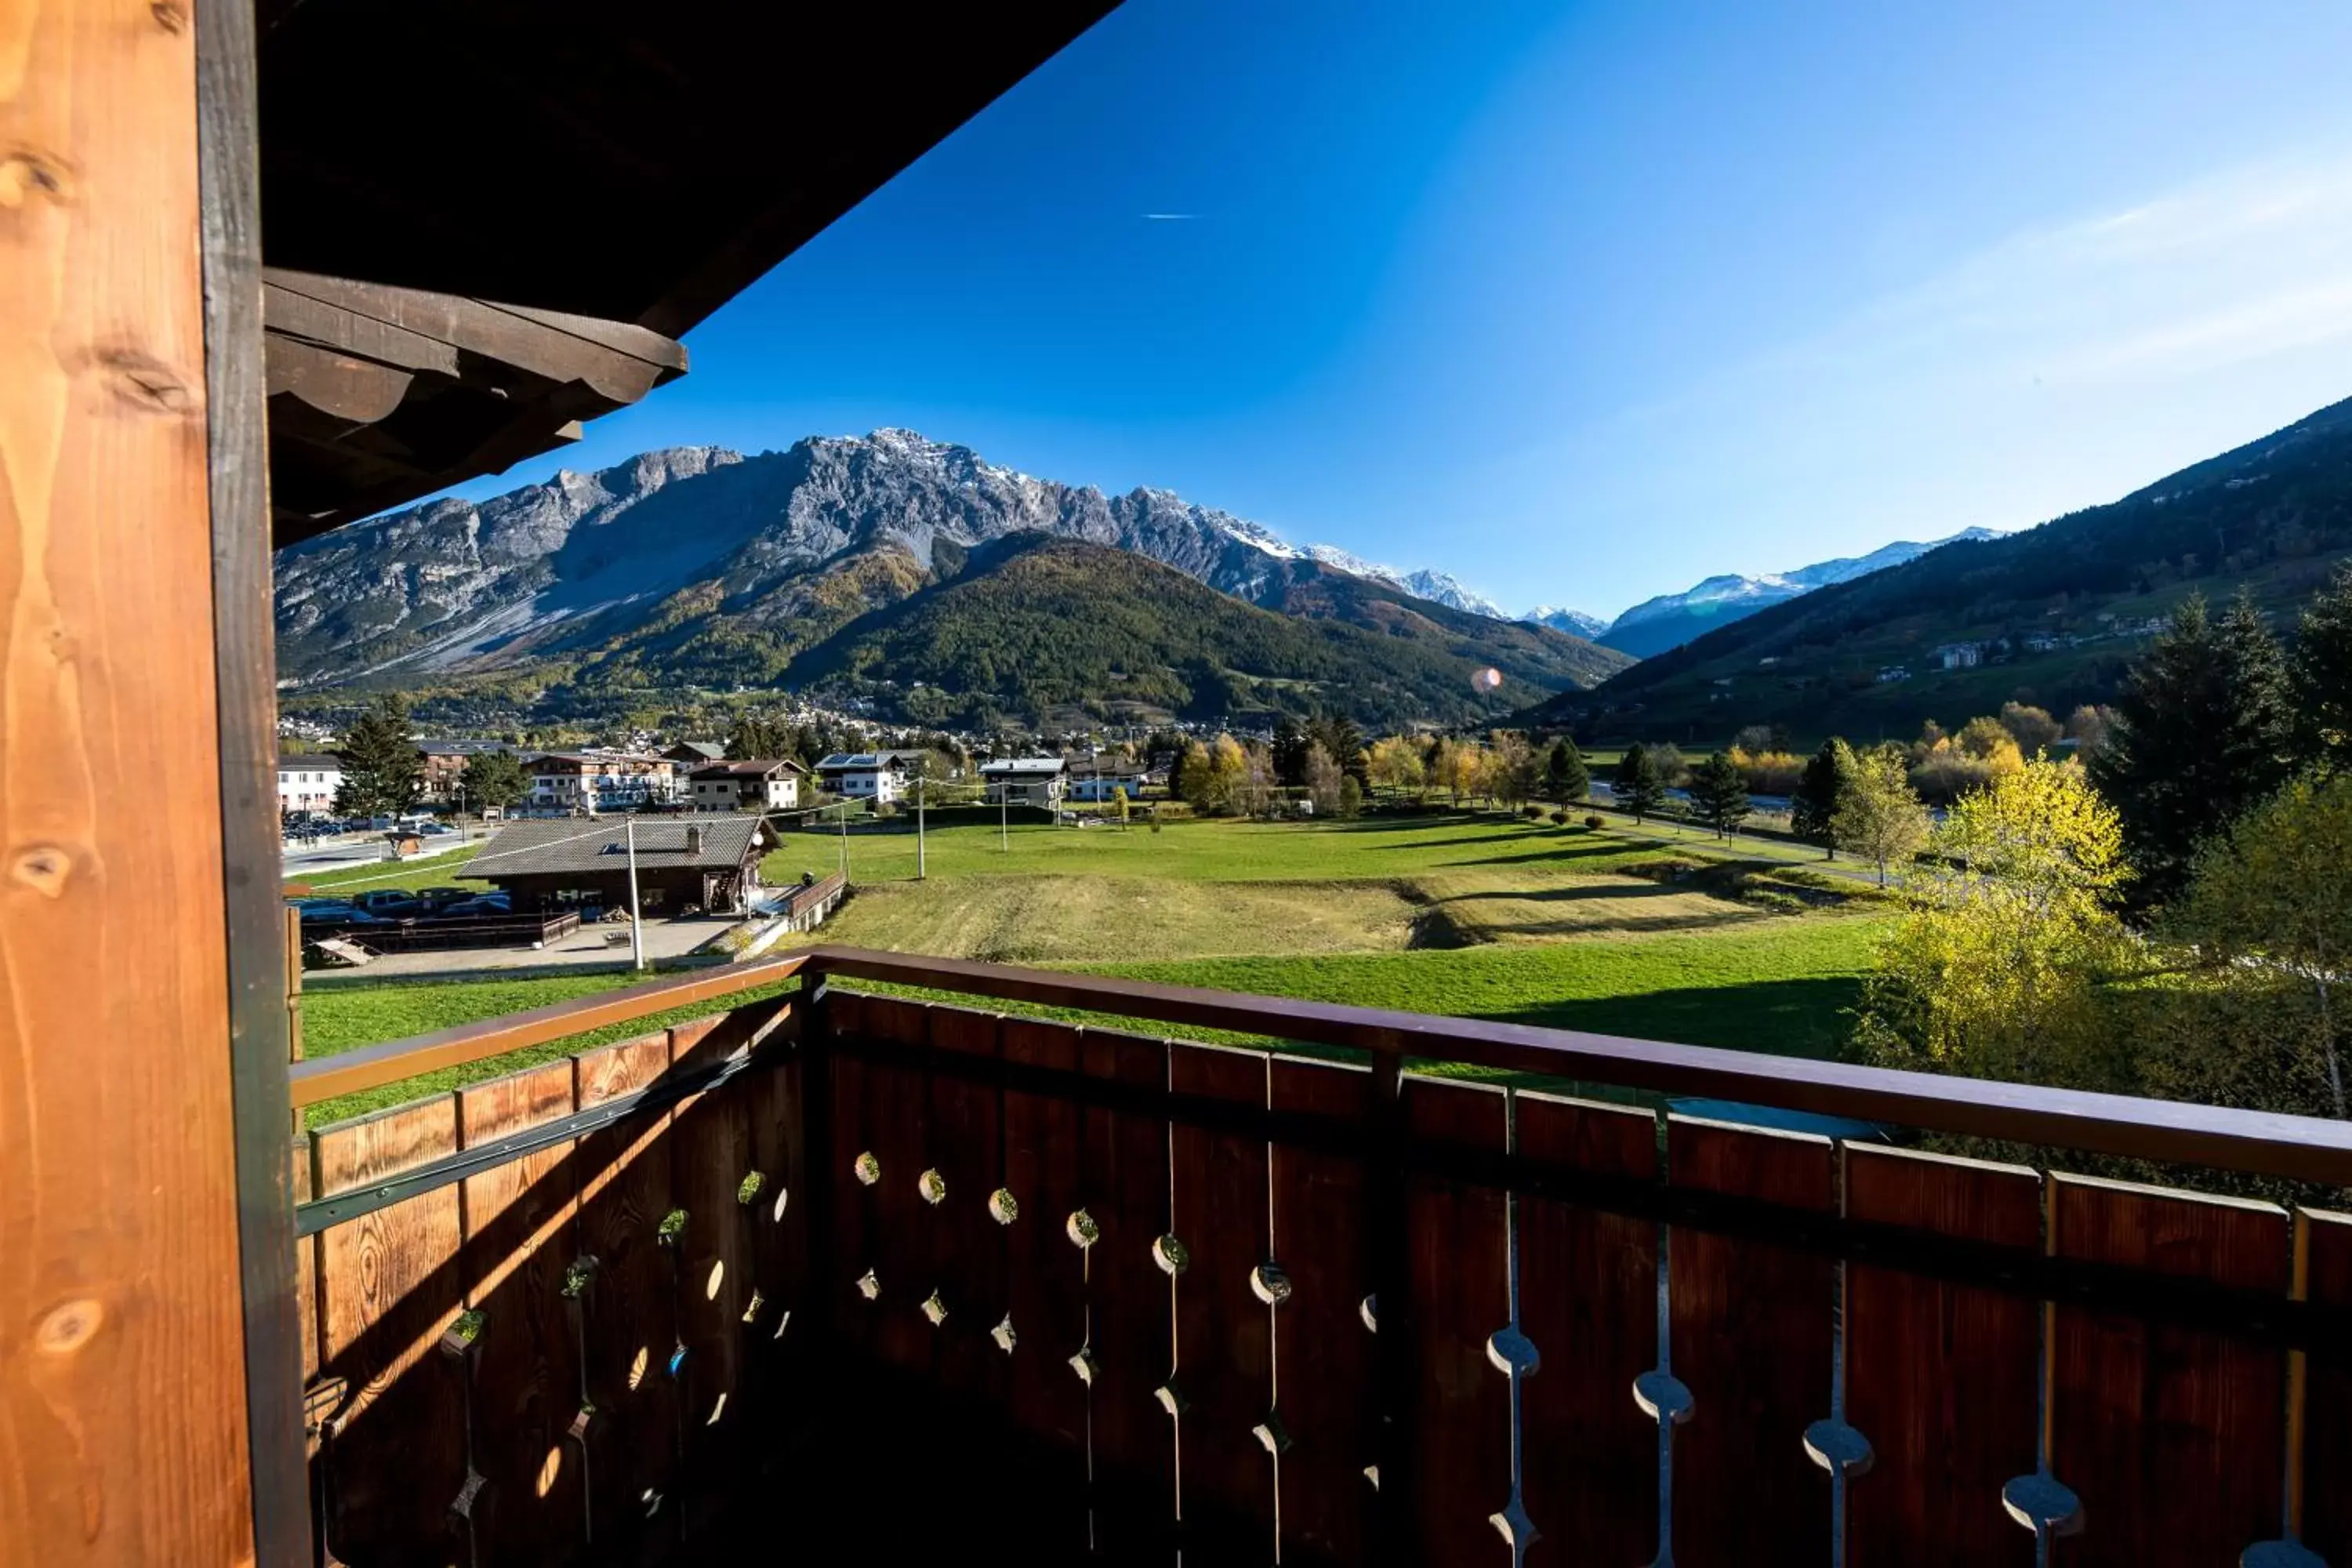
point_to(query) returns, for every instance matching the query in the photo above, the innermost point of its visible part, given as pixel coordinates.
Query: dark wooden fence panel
(777, 1320)
(1589, 1303)
(629, 1310)
(1046, 1284)
(389, 1286)
(1941, 1378)
(710, 1159)
(1751, 1325)
(2324, 1274)
(1458, 1435)
(2171, 1435)
(1225, 1332)
(900, 1251)
(1132, 1301)
(1324, 1351)
(848, 1293)
(521, 1238)
(967, 1245)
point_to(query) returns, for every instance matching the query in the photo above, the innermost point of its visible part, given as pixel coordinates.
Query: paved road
(584, 949)
(360, 850)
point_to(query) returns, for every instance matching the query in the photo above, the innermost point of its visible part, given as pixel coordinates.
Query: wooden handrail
(2299, 1148)
(371, 1066)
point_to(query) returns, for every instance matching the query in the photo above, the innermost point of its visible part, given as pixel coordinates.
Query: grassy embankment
(1616, 930)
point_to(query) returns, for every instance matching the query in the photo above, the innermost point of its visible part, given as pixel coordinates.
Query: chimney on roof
(694, 838)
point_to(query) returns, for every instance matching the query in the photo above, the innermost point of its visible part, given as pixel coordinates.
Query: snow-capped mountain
(1575, 623)
(1654, 626)
(1441, 587)
(786, 545)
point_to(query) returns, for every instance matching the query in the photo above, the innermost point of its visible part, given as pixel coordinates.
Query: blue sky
(1582, 302)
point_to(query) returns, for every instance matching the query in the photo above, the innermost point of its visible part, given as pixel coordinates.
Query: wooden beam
(123, 1424)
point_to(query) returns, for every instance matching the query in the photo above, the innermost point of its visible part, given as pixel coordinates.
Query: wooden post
(128, 968)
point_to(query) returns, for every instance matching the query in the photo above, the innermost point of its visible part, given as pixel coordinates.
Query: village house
(445, 764)
(710, 865)
(1893, 672)
(598, 781)
(877, 776)
(307, 782)
(1096, 781)
(1024, 781)
(1960, 655)
(691, 754)
(761, 784)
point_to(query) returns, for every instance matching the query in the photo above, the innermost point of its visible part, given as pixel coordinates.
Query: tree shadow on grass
(1804, 1018)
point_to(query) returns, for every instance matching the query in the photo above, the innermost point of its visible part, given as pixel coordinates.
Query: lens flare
(1487, 679)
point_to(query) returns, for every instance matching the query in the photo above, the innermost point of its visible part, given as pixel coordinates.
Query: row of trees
(1224, 777)
(2171, 918)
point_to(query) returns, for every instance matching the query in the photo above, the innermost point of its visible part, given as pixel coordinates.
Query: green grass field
(1619, 930)
(435, 871)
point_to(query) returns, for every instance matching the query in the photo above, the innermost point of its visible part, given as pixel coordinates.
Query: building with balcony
(307, 782)
(757, 785)
(599, 781)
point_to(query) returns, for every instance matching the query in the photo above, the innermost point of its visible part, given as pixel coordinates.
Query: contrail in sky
(1171, 217)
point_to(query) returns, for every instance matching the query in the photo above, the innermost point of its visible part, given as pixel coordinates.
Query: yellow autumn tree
(2010, 959)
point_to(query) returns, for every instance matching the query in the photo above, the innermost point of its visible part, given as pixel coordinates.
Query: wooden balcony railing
(837, 1275)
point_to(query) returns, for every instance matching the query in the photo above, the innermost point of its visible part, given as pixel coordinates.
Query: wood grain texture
(1323, 1352)
(390, 1283)
(2172, 1437)
(1589, 1301)
(1046, 1285)
(629, 1313)
(1133, 1306)
(122, 1391)
(1941, 1378)
(2324, 1270)
(522, 1234)
(1751, 1327)
(1459, 1422)
(1224, 1333)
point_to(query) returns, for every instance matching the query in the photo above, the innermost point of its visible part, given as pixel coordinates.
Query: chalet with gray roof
(709, 864)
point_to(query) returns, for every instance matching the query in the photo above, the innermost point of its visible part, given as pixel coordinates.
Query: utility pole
(845, 842)
(919, 801)
(636, 921)
(1003, 819)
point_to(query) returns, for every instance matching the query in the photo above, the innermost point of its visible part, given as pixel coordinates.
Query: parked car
(389, 901)
(437, 900)
(480, 904)
(435, 829)
(335, 912)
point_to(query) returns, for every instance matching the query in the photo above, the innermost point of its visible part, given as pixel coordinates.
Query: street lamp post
(636, 921)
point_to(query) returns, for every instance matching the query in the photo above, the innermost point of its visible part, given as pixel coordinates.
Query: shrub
(1594, 822)
(1559, 817)
(1532, 812)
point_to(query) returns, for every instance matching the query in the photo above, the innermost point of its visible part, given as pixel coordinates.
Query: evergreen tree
(1639, 788)
(1290, 747)
(2322, 672)
(383, 769)
(1719, 790)
(1344, 738)
(1566, 778)
(1812, 810)
(494, 778)
(2201, 732)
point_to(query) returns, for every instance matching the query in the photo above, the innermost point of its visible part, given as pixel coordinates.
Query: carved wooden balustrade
(835, 1275)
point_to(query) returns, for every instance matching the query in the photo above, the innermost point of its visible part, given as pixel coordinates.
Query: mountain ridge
(702, 566)
(2051, 614)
